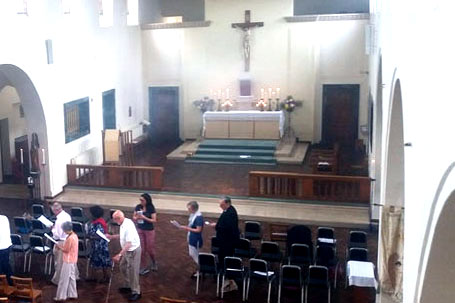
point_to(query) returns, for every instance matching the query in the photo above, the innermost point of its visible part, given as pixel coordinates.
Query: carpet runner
(260, 152)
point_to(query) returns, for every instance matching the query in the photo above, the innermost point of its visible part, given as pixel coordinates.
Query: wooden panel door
(164, 114)
(340, 114)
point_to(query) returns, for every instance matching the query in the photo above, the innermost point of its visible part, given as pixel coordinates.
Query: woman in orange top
(70, 248)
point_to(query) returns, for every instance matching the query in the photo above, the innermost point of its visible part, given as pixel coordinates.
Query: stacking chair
(77, 214)
(358, 254)
(290, 277)
(22, 225)
(326, 256)
(79, 229)
(233, 269)
(38, 247)
(20, 247)
(207, 265)
(215, 246)
(357, 239)
(326, 236)
(84, 253)
(5, 289)
(300, 255)
(243, 249)
(37, 210)
(270, 252)
(300, 234)
(253, 230)
(39, 229)
(318, 278)
(258, 270)
(24, 289)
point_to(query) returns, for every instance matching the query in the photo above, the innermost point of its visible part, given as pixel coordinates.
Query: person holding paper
(5, 246)
(130, 255)
(145, 215)
(194, 229)
(60, 236)
(67, 281)
(99, 254)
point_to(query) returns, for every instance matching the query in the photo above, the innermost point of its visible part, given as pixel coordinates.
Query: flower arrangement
(289, 104)
(204, 104)
(261, 104)
(227, 104)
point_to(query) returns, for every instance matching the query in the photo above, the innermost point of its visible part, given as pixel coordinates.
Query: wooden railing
(134, 177)
(309, 187)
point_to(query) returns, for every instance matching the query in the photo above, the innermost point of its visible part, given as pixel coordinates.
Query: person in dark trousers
(227, 234)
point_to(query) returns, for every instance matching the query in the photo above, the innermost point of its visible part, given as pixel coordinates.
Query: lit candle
(278, 93)
(270, 92)
(227, 93)
(262, 93)
(22, 156)
(43, 151)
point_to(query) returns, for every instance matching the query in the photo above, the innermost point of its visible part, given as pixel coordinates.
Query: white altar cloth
(251, 115)
(361, 274)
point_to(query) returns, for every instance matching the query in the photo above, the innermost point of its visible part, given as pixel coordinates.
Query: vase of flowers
(289, 104)
(261, 104)
(204, 104)
(227, 104)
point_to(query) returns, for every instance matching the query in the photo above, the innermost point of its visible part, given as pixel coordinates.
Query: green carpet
(235, 151)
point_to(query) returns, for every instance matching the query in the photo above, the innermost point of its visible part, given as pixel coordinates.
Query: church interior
(330, 116)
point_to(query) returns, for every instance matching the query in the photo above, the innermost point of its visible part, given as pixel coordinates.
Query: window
(106, 11)
(77, 119)
(132, 13)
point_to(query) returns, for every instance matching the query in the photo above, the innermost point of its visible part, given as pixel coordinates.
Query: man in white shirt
(130, 255)
(60, 236)
(5, 244)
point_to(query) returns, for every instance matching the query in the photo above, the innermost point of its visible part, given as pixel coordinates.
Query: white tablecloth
(361, 274)
(250, 115)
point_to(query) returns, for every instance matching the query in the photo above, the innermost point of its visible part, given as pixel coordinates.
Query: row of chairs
(258, 270)
(76, 213)
(21, 289)
(37, 245)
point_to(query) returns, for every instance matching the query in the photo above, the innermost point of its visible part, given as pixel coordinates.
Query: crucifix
(246, 28)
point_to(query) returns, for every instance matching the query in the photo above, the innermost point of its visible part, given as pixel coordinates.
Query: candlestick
(43, 151)
(22, 156)
(278, 93)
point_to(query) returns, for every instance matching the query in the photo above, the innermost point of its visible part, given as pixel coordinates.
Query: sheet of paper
(261, 273)
(50, 238)
(175, 223)
(103, 236)
(48, 223)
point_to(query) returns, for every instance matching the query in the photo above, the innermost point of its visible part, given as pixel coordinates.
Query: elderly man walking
(67, 280)
(129, 256)
(60, 236)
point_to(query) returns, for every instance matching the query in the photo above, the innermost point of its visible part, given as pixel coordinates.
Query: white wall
(87, 61)
(297, 57)
(9, 108)
(413, 38)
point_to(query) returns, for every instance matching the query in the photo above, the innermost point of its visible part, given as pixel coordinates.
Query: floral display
(261, 104)
(204, 104)
(226, 105)
(289, 104)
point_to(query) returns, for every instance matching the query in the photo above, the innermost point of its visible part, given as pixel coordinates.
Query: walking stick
(110, 282)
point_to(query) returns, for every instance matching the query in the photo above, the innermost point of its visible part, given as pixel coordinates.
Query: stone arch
(11, 75)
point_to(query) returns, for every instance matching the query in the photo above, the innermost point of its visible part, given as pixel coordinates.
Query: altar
(251, 124)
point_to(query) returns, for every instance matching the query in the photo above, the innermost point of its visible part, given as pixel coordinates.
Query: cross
(246, 27)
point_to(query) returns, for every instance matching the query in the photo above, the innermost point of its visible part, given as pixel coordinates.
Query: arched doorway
(391, 240)
(12, 76)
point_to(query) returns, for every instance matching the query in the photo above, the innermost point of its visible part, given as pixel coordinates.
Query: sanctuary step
(235, 151)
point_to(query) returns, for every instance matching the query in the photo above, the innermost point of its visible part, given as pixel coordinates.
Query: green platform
(235, 151)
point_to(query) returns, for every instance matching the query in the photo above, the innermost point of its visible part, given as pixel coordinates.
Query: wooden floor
(175, 267)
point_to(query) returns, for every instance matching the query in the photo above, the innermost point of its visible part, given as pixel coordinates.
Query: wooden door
(164, 115)
(340, 114)
(22, 163)
(109, 109)
(5, 148)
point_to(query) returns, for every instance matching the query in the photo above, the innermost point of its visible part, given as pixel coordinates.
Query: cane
(110, 282)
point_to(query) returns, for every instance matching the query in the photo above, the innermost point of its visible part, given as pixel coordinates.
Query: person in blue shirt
(194, 229)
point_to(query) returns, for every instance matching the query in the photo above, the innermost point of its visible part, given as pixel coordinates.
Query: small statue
(34, 153)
